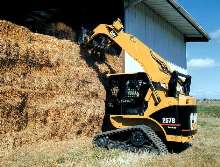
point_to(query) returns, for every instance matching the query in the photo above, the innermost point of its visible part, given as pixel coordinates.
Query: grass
(205, 151)
(210, 108)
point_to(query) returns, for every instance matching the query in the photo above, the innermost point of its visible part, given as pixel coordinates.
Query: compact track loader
(145, 110)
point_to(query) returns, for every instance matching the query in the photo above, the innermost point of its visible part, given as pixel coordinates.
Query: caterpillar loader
(145, 110)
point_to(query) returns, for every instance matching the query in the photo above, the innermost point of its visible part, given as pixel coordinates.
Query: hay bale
(13, 75)
(61, 31)
(54, 89)
(19, 44)
(9, 51)
(9, 30)
(13, 116)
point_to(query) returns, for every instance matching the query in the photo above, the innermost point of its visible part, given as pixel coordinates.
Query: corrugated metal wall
(156, 32)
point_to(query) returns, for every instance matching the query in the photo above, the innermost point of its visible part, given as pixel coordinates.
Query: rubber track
(156, 141)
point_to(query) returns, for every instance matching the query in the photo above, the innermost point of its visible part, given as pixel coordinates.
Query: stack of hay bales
(49, 88)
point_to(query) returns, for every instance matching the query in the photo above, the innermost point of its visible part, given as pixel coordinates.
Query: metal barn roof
(176, 15)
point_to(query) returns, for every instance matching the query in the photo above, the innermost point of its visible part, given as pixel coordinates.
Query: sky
(203, 58)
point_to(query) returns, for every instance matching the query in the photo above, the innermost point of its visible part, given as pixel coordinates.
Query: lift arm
(154, 66)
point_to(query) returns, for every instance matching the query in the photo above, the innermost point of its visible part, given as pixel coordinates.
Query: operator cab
(125, 94)
(179, 84)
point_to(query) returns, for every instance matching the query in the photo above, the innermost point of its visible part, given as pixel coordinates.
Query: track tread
(155, 139)
(157, 142)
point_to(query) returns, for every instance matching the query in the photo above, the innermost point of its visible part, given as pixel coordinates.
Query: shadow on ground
(178, 147)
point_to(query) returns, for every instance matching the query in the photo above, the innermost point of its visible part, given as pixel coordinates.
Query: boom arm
(154, 66)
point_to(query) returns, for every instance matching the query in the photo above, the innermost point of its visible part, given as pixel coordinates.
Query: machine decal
(193, 121)
(181, 120)
(170, 124)
(113, 34)
(168, 120)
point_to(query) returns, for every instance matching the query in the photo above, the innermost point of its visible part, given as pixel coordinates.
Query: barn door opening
(62, 19)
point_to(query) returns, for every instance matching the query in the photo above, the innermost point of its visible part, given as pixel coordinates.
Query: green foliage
(209, 109)
(60, 160)
(203, 108)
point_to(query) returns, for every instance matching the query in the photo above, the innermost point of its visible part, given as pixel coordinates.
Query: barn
(164, 25)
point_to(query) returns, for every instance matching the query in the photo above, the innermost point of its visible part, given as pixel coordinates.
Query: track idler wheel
(138, 138)
(100, 142)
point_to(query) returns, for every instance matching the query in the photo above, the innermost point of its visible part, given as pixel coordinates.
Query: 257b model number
(168, 120)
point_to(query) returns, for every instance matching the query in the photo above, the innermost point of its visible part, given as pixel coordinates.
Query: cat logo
(193, 121)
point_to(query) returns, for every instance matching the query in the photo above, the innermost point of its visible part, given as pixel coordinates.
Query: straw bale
(53, 90)
(13, 31)
(61, 31)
